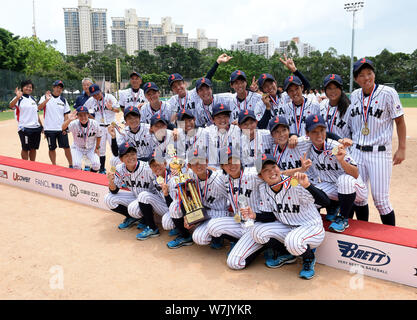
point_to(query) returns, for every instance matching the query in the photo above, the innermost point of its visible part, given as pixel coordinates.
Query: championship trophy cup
(189, 194)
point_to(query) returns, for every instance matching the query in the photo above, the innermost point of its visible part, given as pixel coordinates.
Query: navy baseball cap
(263, 78)
(292, 80)
(174, 77)
(246, 114)
(314, 121)
(58, 83)
(185, 113)
(133, 110)
(94, 89)
(134, 73)
(231, 152)
(265, 159)
(125, 148)
(196, 154)
(220, 108)
(236, 75)
(362, 63)
(82, 109)
(150, 86)
(332, 78)
(203, 81)
(277, 121)
(158, 118)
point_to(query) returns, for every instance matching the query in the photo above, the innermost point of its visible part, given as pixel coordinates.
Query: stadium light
(353, 7)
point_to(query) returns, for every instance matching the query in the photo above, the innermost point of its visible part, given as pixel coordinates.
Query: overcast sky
(322, 23)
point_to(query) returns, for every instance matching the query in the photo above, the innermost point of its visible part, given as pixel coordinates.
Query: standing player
(336, 170)
(289, 217)
(154, 105)
(87, 135)
(56, 110)
(81, 100)
(373, 111)
(104, 107)
(138, 177)
(134, 96)
(29, 124)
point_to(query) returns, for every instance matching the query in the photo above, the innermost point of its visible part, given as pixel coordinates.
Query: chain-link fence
(10, 80)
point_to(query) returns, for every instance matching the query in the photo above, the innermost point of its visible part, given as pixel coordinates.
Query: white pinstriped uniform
(375, 167)
(189, 102)
(142, 140)
(104, 117)
(332, 179)
(335, 123)
(257, 147)
(217, 140)
(293, 114)
(84, 144)
(141, 179)
(128, 98)
(161, 146)
(298, 224)
(277, 105)
(146, 112)
(204, 112)
(252, 102)
(249, 186)
(193, 139)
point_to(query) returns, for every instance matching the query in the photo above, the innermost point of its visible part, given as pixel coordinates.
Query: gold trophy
(188, 191)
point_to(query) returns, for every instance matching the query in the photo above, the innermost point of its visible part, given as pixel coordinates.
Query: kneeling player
(289, 217)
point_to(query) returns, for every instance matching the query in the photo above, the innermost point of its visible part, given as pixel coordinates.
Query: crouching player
(87, 137)
(290, 218)
(138, 177)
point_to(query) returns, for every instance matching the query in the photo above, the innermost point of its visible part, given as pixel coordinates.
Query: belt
(104, 125)
(370, 148)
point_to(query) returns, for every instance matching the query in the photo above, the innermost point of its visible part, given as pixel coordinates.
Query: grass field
(407, 103)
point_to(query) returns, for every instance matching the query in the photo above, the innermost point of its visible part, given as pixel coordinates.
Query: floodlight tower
(34, 21)
(353, 7)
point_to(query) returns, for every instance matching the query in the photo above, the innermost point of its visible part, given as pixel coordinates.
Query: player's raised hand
(224, 58)
(48, 95)
(247, 213)
(266, 99)
(18, 93)
(165, 189)
(288, 63)
(305, 163)
(254, 87)
(340, 156)
(302, 179)
(110, 177)
(293, 142)
(73, 115)
(346, 142)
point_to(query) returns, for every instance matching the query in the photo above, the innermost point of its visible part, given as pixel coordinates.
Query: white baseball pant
(77, 158)
(201, 235)
(158, 204)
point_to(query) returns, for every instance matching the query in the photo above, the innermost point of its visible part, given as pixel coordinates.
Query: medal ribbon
(231, 188)
(366, 110)
(274, 102)
(280, 155)
(182, 107)
(333, 119)
(246, 102)
(205, 187)
(286, 182)
(326, 151)
(298, 121)
(85, 133)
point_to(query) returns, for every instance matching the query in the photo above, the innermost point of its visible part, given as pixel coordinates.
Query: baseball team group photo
(243, 177)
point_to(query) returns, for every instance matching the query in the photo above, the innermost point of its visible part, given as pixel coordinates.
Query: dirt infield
(43, 238)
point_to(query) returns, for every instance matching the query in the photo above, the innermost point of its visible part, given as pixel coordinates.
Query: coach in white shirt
(55, 111)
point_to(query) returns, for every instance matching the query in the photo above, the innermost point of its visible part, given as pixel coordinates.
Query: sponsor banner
(4, 174)
(65, 188)
(377, 259)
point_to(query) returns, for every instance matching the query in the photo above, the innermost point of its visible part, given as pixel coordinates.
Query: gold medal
(102, 120)
(335, 151)
(171, 150)
(294, 182)
(113, 169)
(160, 180)
(366, 131)
(237, 218)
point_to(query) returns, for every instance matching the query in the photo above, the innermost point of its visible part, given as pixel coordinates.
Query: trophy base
(196, 216)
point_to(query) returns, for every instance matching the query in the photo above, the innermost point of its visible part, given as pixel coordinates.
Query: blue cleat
(174, 232)
(128, 223)
(339, 225)
(217, 243)
(87, 168)
(102, 171)
(148, 233)
(280, 261)
(141, 224)
(180, 242)
(308, 269)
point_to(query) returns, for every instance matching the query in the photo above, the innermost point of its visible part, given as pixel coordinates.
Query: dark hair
(344, 101)
(24, 83)
(366, 66)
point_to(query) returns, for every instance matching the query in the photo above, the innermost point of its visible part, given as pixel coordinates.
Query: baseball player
(154, 105)
(298, 109)
(289, 216)
(222, 134)
(256, 140)
(244, 99)
(184, 99)
(336, 171)
(87, 135)
(56, 110)
(161, 136)
(333, 109)
(86, 83)
(373, 111)
(136, 133)
(134, 96)
(29, 123)
(138, 177)
(239, 182)
(103, 106)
